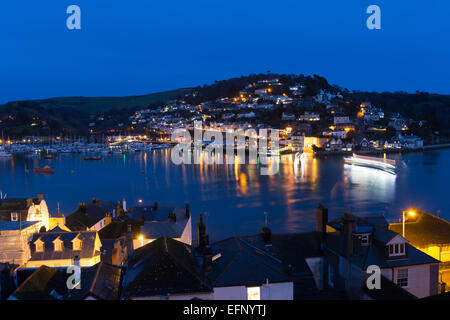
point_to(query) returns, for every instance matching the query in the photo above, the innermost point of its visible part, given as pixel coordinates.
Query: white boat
(388, 165)
(4, 153)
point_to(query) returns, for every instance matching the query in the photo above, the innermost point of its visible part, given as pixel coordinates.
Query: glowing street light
(411, 213)
(141, 239)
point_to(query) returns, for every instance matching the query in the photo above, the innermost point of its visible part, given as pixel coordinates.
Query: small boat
(4, 154)
(93, 158)
(384, 164)
(45, 169)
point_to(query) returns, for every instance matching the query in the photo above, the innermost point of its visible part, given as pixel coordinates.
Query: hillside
(94, 105)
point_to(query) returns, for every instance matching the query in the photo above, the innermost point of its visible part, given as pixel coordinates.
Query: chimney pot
(348, 226)
(267, 235)
(322, 220)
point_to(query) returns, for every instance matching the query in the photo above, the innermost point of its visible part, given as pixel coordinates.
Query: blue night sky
(139, 47)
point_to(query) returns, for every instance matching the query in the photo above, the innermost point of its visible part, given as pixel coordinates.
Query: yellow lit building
(309, 142)
(58, 248)
(429, 234)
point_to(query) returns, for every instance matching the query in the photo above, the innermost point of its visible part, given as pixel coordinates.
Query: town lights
(411, 213)
(141, 239)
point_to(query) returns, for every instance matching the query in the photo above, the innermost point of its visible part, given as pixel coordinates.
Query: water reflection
(236, 195)
(367, 183)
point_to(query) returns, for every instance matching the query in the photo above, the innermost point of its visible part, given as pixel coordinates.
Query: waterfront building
(297, 142)
(410, 142)
(314, 141)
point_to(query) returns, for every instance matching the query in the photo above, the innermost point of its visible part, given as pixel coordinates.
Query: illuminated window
(14, 216)
(39, 246)
(402, 277)
(77, 244)
(254, 293)
(58, 245)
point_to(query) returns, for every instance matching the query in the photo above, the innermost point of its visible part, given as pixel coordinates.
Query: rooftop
(424, 229)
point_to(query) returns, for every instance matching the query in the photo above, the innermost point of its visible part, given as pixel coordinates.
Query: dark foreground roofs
(163, 267)
(99, 282)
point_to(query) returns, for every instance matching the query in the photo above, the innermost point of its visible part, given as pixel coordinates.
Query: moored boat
(45, 169)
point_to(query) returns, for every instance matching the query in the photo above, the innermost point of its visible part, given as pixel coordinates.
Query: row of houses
(147, 252)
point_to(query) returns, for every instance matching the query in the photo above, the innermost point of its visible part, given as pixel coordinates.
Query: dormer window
(397, 249)
(39, 245)
(58, 244)
(77, 244)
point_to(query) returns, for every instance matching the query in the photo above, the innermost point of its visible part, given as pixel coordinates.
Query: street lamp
(411, 213)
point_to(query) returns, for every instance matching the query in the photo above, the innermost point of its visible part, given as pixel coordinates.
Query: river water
(236, 197)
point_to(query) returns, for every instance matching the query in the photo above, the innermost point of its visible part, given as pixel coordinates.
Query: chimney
(129, 243)
(348, 225)
(76, 262)
(267, 236)
(40, 197)
(119, 208)
(98, 202)
(188, 211)
(155, 206)
(322, 220)
(201, 233)
(207, 259)
(108, 219)
(172, 217)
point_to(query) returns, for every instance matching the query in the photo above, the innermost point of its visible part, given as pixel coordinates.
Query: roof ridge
(96, 276)
(262, 261)
(193, 273)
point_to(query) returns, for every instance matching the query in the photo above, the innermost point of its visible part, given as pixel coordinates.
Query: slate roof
(15, 225)
(164, 266)
(293, 249)
(424, 230)
(242, 263)
(87, 250)
(157, 223)
(117, 228)
(375, 253)
(41, 283)
(366, 224)
(84, 218)
(101, 281)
